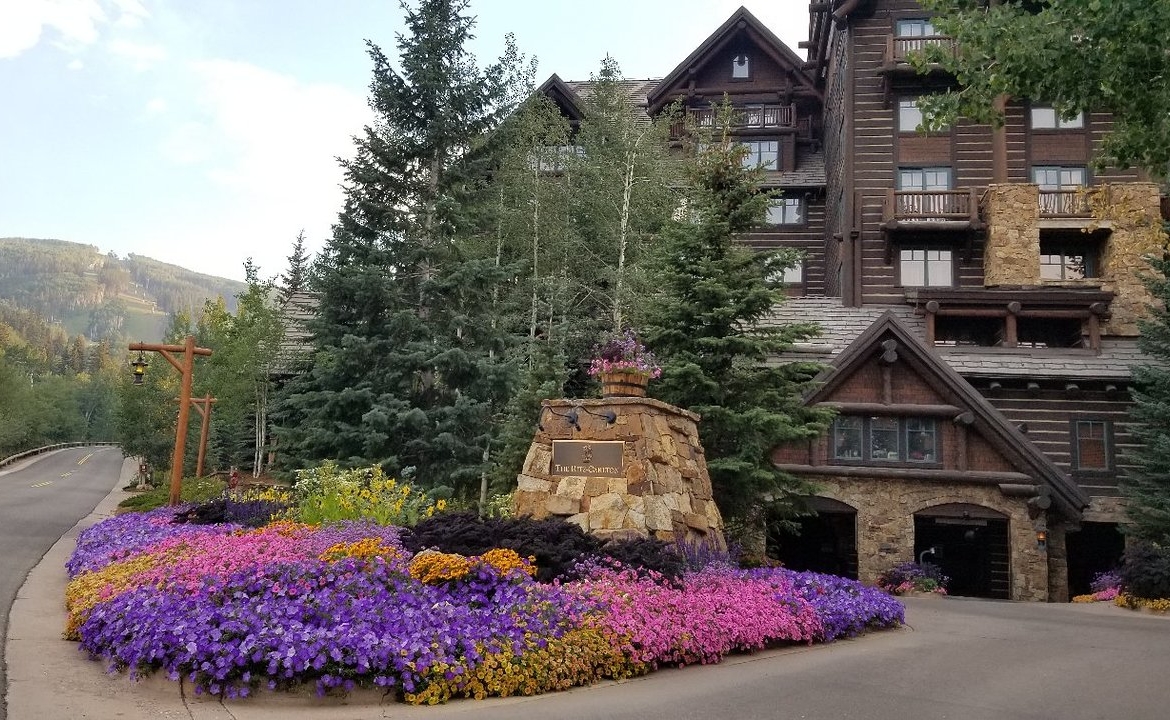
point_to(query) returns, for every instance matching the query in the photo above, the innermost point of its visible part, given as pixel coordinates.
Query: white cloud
(75, 64)
(23, 21)
(76, 23)
(131, 13)
(141, 56)
(156, 106)
(269, 141)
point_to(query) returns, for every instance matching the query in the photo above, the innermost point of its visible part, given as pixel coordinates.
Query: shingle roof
(841, 325)
(295, 314)
(636, 89)
(809, 172)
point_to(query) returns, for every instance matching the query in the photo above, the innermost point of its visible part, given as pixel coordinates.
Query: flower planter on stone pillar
(624, 383)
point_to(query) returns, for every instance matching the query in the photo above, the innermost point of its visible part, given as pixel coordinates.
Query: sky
(206, 133)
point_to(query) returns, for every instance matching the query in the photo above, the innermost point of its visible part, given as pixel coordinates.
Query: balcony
(1064, 204)
(898, 49)
(930, 210)
(763, 117)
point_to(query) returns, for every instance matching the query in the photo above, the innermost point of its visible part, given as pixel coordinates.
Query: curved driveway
(957, 659)
(40, 500)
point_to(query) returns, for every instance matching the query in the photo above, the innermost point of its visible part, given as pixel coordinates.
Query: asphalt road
(957, 659)
(40, 500)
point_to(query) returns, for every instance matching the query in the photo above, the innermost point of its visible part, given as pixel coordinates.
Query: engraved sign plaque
(590, 458)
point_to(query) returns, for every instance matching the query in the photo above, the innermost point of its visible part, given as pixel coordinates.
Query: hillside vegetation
(102, 297)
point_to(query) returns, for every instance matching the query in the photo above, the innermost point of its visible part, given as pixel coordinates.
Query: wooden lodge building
(978, 294)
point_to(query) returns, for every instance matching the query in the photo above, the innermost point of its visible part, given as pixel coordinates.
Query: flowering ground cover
(344, 604)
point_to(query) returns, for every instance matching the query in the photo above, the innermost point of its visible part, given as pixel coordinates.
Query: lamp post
(185, 368)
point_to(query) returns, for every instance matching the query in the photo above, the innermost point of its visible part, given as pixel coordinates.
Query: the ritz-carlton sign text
(590, 458)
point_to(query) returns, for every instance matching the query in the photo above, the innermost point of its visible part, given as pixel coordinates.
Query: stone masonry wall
(666, 490)
(1133, 212)
(885, 526)
(1012, 254)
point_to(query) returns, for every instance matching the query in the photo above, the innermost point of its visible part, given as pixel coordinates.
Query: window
(786, 211)
(1067, 260)
(1092, 445)
(1046, 118)
(740, 67)
(1056, 177)
(916, 27)
(924, 193)
(1058, 188)
(960, 331)
(764, 153)
(789, 276)
(924, 178)
(909, 116)
(924, 267)
(847, 438)
(885, 439)
(1049, 333)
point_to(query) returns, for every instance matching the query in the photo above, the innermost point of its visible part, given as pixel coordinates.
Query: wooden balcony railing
(752, 116)
(897, 48)
(1064, 204)
(931, 205)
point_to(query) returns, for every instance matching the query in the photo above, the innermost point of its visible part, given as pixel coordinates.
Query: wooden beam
(971, 477)
(907, 409)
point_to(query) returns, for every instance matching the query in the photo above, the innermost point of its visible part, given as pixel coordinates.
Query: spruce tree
(705, 326)
(406, 364)
(296, 278)
(1147, 490)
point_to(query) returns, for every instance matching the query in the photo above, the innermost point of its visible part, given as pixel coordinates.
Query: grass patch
(194, 490)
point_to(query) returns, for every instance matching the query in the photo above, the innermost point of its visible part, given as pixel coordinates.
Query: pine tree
(296, 278)
(705, 327)
(1147, 490)
(407, 365)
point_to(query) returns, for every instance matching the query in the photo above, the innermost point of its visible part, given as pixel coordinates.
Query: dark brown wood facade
(1023, 379)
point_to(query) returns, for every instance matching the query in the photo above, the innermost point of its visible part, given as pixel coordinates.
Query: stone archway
(825, 541)
(972, 545)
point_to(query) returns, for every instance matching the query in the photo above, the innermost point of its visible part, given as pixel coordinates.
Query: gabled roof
(559, 92)
(740, 20)
(994, 427)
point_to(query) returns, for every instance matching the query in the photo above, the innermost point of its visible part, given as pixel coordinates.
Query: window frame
(1058, 124)
(925, 265)
(755, 153)
(1066, 249)
(736, 65)
(900, 25)
(1107, 441)
(898, 427)
(801, 205)
(1060, 185)
(909, 106)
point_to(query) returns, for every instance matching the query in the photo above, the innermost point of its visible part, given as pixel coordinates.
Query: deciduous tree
(1106, 55)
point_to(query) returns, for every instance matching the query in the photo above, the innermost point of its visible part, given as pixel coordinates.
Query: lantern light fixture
(138, 365)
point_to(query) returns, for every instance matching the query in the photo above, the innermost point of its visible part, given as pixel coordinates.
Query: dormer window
(740, 68)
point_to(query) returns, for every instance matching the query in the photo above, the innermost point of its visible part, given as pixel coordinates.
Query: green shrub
(193, 490)
(1145, 571)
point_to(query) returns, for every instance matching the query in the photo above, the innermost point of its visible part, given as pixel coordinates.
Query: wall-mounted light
(138, 366)
(1041, 539)
(573, 417)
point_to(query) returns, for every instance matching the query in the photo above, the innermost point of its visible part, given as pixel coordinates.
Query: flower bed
(343, 605)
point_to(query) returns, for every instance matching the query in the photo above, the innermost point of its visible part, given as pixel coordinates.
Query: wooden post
(203, 405)
(186, 369)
